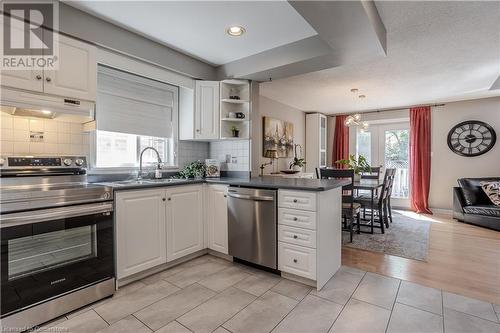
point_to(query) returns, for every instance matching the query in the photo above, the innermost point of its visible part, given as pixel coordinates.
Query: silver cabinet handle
(295, 219)
(250, 197)
(295, 200)
(295, 260)
(38, 77)
(295, 236)
(48, 79)
(13, 219)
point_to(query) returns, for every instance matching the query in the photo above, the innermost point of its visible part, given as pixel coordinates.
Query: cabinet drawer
(297, 260)
(297, 200)
(297, 236)
(297, 218)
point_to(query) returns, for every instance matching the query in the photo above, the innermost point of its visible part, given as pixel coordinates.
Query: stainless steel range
(57, 239)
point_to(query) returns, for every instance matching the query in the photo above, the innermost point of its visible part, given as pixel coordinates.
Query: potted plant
(359, 165)
(298, 162)
(235, 131)
(194, 169)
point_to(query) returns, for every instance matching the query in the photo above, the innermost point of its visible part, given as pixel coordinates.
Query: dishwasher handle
(250, 197)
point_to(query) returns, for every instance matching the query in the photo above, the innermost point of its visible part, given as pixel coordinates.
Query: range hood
(21, 103)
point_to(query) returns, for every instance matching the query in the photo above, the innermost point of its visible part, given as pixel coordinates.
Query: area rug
(406, 237)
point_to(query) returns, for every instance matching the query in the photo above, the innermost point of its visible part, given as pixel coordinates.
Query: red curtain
(340, 141)
(420, 158)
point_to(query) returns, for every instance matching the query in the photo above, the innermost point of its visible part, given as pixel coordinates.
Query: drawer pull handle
(295, 260)
(295, 200)
(295, 236)
(295, 219)
(163, 199)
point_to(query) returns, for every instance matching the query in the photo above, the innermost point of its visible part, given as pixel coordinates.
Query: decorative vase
(357, 177)
(297, 168)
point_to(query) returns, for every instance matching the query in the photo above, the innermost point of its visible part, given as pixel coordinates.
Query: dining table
(371, 185)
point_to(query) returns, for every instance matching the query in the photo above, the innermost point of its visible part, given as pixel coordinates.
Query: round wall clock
(471, 138)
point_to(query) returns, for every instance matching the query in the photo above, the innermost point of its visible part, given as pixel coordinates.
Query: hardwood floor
(462, 259)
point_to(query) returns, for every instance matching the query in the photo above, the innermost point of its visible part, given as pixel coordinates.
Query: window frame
(94, 169)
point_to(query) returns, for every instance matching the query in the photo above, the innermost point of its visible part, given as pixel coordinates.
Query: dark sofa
(471, 205)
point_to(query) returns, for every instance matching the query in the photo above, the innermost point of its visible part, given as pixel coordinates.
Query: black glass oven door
(46, 253)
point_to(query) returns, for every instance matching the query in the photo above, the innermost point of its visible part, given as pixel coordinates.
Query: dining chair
(379, 207)
(350, 210)
(374, 173)
(389, 195)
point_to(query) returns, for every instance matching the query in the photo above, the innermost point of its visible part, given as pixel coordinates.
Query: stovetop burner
(28, 183)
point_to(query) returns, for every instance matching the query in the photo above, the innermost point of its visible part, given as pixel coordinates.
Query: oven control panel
(43, 162)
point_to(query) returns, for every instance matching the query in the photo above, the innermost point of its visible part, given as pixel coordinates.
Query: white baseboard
(442, 211)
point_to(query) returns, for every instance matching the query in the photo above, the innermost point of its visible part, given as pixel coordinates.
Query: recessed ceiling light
(354, 90)
(361, 96)
(235, 30)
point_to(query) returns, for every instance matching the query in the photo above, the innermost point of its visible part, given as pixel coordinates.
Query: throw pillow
(492, 190)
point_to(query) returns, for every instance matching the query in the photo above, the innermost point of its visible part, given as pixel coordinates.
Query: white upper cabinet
(23, 79)
(184, 221)
(76, 76)
(199, 111)
(140, 231)
(217, 218)
(206, 116)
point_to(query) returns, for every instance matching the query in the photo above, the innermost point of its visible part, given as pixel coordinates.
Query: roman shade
(127, 103)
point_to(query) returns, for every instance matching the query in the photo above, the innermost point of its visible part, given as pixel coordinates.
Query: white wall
(271, 108)
(446, 166)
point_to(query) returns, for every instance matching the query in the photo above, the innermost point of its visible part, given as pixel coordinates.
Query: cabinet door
(207, 117)
(76, 76)
(217, 218)
(22, 79)
(140, 231)
(184, 221)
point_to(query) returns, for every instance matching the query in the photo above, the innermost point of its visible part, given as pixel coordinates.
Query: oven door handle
(29, 217)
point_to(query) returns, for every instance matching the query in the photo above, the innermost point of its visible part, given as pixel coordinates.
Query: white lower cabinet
(154, 226)
(184, 220)
(216, 213)
(140, 231)
(297, 260)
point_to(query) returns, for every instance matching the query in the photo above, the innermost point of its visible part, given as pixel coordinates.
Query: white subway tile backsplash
(36, 148)
(59, 137)
(50, 125)
(63, 127)
(63, 138)
(50, 137)
(7, 122)
(37, 125)
(51, 149)
(7, 134)
(21, 124)
(7, 147)
(76, 139)
(238, 150)
(21, 148)
(21, 135)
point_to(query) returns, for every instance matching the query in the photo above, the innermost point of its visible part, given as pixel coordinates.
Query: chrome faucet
(158, 167)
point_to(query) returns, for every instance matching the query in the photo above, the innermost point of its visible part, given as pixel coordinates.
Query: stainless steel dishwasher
(252, 225)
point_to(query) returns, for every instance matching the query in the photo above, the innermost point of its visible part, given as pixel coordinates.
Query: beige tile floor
(209, 294)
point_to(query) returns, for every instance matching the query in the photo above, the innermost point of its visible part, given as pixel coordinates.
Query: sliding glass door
(388, 145)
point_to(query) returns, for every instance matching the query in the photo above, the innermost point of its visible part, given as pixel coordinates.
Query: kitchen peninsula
(163, 222)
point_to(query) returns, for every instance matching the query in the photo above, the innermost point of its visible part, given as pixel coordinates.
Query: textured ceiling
(198, 28)
(436, 52)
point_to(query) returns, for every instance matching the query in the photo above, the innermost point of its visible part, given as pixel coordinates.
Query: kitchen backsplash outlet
(59, 138)
(233, 155)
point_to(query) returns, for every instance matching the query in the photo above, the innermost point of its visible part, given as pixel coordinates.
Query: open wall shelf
(231, 106)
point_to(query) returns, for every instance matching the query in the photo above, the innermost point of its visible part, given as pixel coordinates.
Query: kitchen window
(132, 113)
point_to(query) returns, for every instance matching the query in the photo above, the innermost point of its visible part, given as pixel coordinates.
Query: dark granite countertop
(271, 182)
